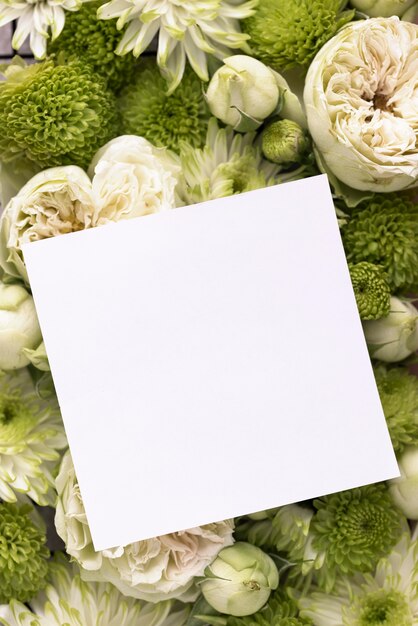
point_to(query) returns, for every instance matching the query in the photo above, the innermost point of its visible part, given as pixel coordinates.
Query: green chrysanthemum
(287, 33)
(31, 437)
(228, 164)
(280, 611)
(354, 529)
(54, 114)
(93, 41)
(23, 554)
(384, 231)
(398, 392)
(371, 290)
(163, 119)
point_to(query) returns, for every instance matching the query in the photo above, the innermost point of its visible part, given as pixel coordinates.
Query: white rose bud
(395, 337)
(243, 91)
(240, 580)
(382, 8)
(404, 490)
(19, 327)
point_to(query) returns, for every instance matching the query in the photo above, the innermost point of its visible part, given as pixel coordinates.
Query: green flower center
(241, 174)
(16, 419)
(384, 608)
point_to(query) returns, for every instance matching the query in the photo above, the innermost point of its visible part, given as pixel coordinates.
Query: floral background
(272, 91)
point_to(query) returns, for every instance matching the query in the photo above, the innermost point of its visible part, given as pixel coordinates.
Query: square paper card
(209, 361)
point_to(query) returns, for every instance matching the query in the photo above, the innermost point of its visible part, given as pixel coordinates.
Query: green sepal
(246, 123)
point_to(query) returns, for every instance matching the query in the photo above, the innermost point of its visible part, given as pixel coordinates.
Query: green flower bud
(19, 327)
(395, 337)
(284, 142)
(404, 490)
(243, 91)
(382, 8)
(240, 580)
(371, 290)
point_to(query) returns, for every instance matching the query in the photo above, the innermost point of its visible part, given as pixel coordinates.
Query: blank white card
(209, 361)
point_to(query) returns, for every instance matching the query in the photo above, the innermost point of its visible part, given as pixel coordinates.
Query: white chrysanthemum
(361, 97)
(229, 163)
(31, 437)
(155, 569)
(71, 601)
(36, 19)
(188, 29)
(390, 597)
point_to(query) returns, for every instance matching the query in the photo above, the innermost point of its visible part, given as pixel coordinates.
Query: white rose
(19, 327)
(245, 85)
(155, 569)
(382, 8)
(361, 98)
(404, 490)
(53, 202)
(394, 337)
(131, 177)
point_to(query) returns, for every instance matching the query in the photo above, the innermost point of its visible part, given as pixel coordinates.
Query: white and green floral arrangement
(240, 94)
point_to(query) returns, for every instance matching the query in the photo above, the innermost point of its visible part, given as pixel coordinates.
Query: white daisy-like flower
(188, 29)
(31, 438)
(229, 163)
(390, 597)
(39, 20)
(71, 601)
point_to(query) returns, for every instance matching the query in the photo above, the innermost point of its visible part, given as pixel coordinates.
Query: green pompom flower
(54, 114)
(93, 41)
(354, 529)
(398, 392)
(384, 231)
(284, 142)
(228, 164)
(163, 119)
(371, 290)
(23, 554)
(288, 33)
(280, 611)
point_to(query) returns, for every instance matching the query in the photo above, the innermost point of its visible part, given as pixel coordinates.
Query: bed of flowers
(239, 94)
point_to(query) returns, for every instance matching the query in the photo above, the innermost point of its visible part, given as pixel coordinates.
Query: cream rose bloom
(361, 98)
(53, 202)
(131, 177)
(155, 569)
